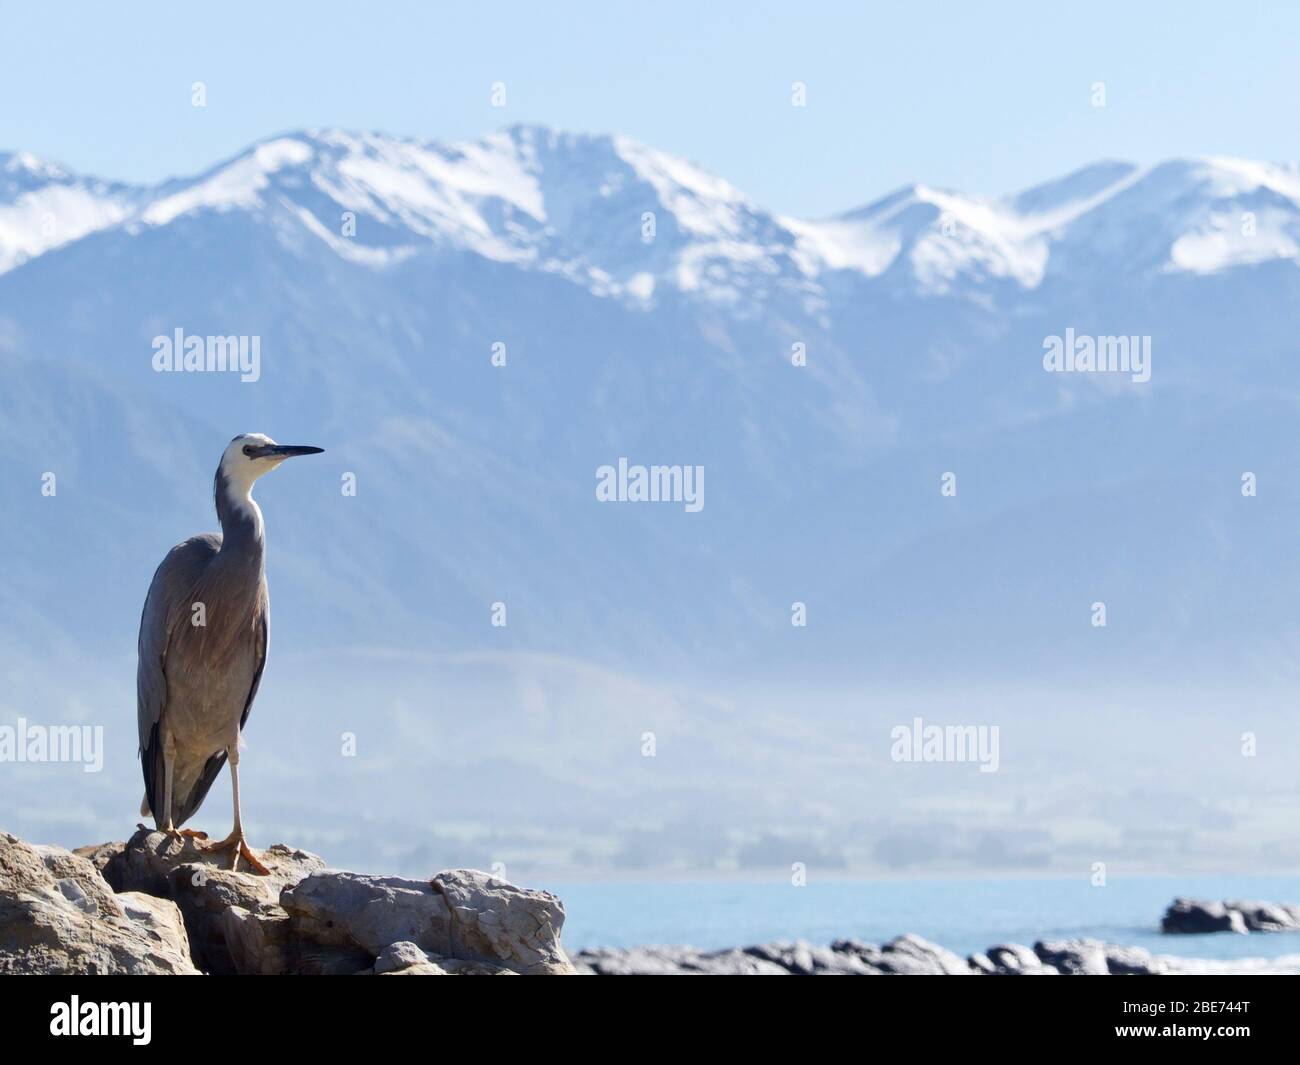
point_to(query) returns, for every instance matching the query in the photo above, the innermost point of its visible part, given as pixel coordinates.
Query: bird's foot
(185, 833)
(236, 843)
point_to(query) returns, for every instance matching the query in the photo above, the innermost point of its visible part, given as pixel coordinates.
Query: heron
(203, 642)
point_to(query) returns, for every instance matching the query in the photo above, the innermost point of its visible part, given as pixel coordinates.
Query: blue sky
(986, 98)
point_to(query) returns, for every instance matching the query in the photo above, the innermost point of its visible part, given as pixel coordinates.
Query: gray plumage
(196, 682)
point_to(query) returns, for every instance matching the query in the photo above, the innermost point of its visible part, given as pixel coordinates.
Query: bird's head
(249, 456)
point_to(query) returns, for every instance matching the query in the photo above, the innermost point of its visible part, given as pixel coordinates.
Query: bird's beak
(285, 451)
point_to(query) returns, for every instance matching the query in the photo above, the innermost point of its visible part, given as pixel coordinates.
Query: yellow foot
(235, 842)
(185, 833)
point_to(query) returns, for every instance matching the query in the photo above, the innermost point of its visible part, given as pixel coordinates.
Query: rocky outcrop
(907, 956)
(163, 904)
(231, 917)
(59, 916)
(456, 916)
(912, 955)
(1192, 916)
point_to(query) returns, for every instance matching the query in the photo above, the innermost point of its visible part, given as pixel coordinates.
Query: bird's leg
(166, 810)
(235, 841)
(170, 829)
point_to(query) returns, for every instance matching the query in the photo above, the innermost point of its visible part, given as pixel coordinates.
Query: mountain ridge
(578, 205)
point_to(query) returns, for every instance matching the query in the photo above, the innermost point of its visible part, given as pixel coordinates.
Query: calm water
(963, 915)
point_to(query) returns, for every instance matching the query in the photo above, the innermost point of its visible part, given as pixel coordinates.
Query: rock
(424, 968)
(796, 957)
(160, 918)
(732, 962)
(251, 941)
(148, 862)
(676, 961)
(1190, 916)
(100, 854)
(1074, 957)
(312, 959)
(1186, 916)
(781, 958)
(407, 959)
(640, 961)
(1011, 959)
(259, 942)
(496, 921)
(462, 915)
(1267, 916)
(803, 959)
(1133, 961)
(460, 967)
(934, 957)
(910, 955)
(78, 881)
(59, 916)
(399, 956)
(338, 908)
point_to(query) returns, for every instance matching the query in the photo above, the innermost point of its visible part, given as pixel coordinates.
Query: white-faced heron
(203, 641)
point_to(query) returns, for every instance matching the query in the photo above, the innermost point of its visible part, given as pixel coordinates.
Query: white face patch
(241, 471)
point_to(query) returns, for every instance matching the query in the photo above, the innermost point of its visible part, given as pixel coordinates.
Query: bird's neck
(242, 531)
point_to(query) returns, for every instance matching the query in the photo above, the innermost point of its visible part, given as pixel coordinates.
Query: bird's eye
(248, 450)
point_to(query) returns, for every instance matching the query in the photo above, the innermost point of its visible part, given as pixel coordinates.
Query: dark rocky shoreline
(911, 955)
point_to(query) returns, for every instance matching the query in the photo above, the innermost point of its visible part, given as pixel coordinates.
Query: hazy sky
(987, 98)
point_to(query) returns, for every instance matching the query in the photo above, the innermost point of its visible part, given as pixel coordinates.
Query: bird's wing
(164, 606)
(188, 804)
(263, 640)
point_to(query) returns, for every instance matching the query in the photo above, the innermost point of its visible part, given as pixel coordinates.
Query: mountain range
(472, 330)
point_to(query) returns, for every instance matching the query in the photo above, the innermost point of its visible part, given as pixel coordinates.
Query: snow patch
(1221, 243)
(49, 217)
(238, 184)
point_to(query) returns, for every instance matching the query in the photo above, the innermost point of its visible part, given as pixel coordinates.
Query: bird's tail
(183, 806)
(144, 807)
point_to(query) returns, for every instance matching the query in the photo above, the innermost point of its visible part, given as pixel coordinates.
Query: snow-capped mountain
(826, 374)
(622, 219)
(43, 207)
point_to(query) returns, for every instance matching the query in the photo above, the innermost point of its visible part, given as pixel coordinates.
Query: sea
(964, 915)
